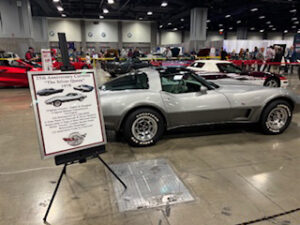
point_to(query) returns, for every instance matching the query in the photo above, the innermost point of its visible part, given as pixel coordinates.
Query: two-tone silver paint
(226, 104)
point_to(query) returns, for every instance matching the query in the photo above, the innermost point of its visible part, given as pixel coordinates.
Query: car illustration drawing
(84, 88)
(58, 100)
(49, 91)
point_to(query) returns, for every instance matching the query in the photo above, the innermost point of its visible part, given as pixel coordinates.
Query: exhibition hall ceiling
(256, 15)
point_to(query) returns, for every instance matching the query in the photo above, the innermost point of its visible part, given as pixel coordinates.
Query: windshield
(228, 68)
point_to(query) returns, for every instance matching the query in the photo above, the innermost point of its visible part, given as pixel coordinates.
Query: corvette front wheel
(276, 117)
(143, 127)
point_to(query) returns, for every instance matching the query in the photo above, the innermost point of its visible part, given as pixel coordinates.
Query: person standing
(269, 57)
(260, 58)
(223, 54)
(29, 54)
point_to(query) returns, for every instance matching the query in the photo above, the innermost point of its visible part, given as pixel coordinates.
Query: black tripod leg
(54, 193)
(116, 176)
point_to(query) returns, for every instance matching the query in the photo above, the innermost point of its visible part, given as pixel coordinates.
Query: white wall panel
(274, 36)
(136, 32)
(171, 37)
(70, 27)
(214, 36)
(253, 36)
(104, 31)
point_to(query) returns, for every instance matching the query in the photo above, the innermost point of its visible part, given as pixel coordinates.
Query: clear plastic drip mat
(150, 183)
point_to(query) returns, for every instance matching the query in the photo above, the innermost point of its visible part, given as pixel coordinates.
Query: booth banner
(297, 45)
(67, 111)
(46, 60)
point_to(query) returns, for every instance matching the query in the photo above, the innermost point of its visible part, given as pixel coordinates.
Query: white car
(236, 73)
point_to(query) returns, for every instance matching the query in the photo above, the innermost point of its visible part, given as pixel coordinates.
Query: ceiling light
(55, 0)
(261, 31)
(101, 17)
(164, 4)
(271, 25)
(268, 22)
(181, 19)
(273, 28)
(298, 31)
(169, 24)
(182, 27)
(252, 28)
(286, 31)
(105, 11)
(141, 18)
(227, 16)
(175, 28)
(149, 13)
(296, 22)
(254, 9)
(59, 8)
(160, 26)
(221, 30)
(261, 17)
(220, 25)
(207, 21)
(239, 21)
(294, 27)
(63, 15)
(110, 1)
(293, 10)
(294, 18)
(230, 28)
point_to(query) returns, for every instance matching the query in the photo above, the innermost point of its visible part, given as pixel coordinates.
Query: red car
(77, 65)
(14, 73)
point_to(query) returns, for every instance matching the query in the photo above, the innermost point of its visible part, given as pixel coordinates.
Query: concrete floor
(235, 174)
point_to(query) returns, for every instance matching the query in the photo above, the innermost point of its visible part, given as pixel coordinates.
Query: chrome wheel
(277, 118)
(272, 83)
(144, 128)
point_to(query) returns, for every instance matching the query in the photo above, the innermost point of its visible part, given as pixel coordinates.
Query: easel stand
(78, 156)
(81, 158)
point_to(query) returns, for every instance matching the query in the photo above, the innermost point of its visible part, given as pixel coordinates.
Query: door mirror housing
(203, 90)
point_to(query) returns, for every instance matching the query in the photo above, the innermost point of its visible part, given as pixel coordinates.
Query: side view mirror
(203, 90)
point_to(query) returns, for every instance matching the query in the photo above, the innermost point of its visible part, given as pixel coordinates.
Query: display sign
(46, 60)
(67, 111)
(297, 45)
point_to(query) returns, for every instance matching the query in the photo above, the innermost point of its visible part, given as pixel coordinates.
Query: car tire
(57, 103)
(272, 82)
(143, 127)
(276, 117)
(81, 99)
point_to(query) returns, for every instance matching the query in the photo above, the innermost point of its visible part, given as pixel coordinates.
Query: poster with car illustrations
(67, 111)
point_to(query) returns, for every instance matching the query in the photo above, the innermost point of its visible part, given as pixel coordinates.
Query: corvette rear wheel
(143, 127)
(57, 103)
(272, 83)
(276, 117)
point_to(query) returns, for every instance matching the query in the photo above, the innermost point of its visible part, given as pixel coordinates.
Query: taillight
(282, 78)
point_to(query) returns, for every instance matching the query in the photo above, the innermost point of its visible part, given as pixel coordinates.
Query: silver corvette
(147, 102)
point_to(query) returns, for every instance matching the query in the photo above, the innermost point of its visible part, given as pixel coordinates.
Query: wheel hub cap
(277, 118)
(144, 128)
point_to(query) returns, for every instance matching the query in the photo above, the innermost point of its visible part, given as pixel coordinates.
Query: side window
(228, 68)
(127, 82)
(200, 65)
(180, 83)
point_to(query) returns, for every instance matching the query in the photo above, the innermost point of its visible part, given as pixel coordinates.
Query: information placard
(67, 111)
(46, 60)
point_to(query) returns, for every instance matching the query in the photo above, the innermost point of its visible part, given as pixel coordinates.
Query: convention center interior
(149, 112)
